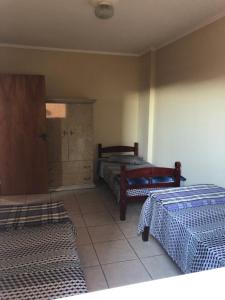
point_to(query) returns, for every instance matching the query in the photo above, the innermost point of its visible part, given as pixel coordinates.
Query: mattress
(38, 257)
(189, 222)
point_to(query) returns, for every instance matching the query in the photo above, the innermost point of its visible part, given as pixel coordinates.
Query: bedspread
(189, 222)
(38, 257)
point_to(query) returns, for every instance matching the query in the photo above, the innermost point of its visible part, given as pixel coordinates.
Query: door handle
(43, 136)
(71, 132)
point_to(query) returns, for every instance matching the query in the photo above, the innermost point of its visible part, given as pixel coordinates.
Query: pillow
(126, 159)
(161, 179)
(140, 180)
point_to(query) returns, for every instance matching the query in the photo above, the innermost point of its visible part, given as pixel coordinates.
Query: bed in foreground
(130, 177)
(189, 222)
(38, 259)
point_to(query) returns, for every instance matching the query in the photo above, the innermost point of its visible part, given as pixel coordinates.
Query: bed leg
(145, 234)
(123, 198)
(123, 209)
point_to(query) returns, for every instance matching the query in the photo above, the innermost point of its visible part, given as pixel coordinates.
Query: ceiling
(137, 26)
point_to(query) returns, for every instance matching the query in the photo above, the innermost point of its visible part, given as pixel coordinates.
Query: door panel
(70, 173)
(57, 132)
(80, 131)
(23, 149)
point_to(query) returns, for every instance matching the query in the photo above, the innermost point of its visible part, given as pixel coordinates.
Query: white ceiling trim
(200, 26)
(149, 49)
(4, 45)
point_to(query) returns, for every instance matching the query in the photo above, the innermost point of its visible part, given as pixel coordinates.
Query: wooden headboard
(117, 149)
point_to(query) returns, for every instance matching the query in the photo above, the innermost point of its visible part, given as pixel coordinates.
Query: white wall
(144, 104)
(190, 105)
(112, 80)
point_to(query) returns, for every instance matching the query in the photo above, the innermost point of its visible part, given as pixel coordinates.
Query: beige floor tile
(38, 198)
(77, 219)
(134, 207)
(146, 249)
(83, 237)
(97, 219)
(95, 279)
(131, 217)
(129, 229)
(64, 196)
(87, 256)
(82, 191)
(105, 233)
(90, 195)
(17, 199)
(116, 251)
(69, 200)
(72, 206)
(88, 207)
(161, 266)
(124, 273)
(110, 202)
(114, 210)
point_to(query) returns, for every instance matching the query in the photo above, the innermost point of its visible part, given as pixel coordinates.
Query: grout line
(140, 260)
(119, 261)
(108, 241)
(99, 261)
(94, 247)
(116, 224)
(135, 252)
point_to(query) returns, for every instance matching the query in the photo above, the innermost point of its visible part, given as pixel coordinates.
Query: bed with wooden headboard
(130, 177)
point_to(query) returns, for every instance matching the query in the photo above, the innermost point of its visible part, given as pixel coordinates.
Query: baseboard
(72, 187)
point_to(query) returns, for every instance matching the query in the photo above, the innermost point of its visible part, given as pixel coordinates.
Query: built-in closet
(70, 143)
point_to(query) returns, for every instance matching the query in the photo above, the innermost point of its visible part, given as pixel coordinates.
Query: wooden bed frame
(137, 173)
(117, 149)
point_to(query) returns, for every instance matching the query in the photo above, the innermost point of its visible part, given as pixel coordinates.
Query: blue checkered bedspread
(38, 256)
(189, 222)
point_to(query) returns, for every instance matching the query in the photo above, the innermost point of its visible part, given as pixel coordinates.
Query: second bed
(132, 178)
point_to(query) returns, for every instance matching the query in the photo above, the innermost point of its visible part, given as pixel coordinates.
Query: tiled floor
(110, 251)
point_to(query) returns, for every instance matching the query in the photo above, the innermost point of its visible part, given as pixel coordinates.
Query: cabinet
(70, 144)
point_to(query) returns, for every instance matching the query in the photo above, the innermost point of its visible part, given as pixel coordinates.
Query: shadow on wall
(198, 57)
(117, 120)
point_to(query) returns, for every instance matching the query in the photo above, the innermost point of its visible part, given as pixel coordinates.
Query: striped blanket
(189, 222)
(38, 258)
(31, 215)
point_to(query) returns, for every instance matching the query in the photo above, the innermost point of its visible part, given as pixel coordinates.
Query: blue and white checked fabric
(38, 257)
(189, 222)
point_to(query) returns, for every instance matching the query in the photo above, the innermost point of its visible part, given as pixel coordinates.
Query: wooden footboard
(146, 173)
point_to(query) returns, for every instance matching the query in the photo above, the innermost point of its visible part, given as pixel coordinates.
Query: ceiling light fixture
(103, 9)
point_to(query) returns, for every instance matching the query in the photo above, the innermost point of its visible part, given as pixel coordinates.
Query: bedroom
(186, 99)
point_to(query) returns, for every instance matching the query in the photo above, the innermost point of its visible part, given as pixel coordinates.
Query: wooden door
(23, 149)
(80, 131)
